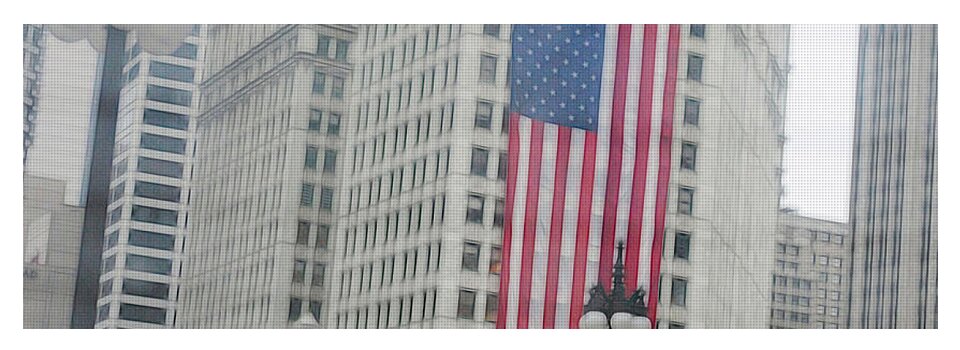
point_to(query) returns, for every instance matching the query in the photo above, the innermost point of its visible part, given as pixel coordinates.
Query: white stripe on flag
(519, 204)
(571, 209)
(544, 214)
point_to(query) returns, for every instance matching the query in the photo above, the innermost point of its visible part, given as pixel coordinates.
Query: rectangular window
(154, 215)
(169, 95)
(306, 195)
(343, 47)
(299, 271)
(303, 233)
(316, 116)
(148, 264)
(319, 270)
(691, 111)
(112, 239)
(694, 67)
(326, 198)
(323, 46)
(471, 256)
(293, 313)
(323, 234)
(109, 264)
(336, 90)
(160, 167)
(836, 239)
(133, 72)
(171, 72)
(156, 191)
(491, 30)
(186, 50)
(145, 314)
(146, 289)
(310, 159)
(315, 309)
(697, 30)
(165, 119)
(502, 166)
(117, 192)
(488, 69)
(495, 260)
(163, 143)
(836, 262)
(106, 288)
(466, 303)
(478, 162)
(677, 325)
(475, 209)
(688, 156)
(329, 161)
(678, 293)
(153, 240)
(333, 125)
(498, 209)
(685, 201)
(490, 315)
(319, 82)
(681, 248)
(484, 114)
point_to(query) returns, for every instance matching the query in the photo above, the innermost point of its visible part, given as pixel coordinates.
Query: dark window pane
(154, 240)
(146, 289)
(488, 69)
(109, 264)
(329, 161)
(471, 256)
(491, 309)
(675, 325)
(154, 215)
(478, 162)
(133, 73)
(319, 82)
(323, 46)
(475, 209)
(466, 304)
(343, 47)
(688, 156)
(106, 288)
(171, 71)
(691, 112)
(303, 233)
(491, 30)
(685, 201)
(306, 195)
(333, 125)
(697, 30)
(112, 240)
(148, 264)
(299, 271)
(323, 234)
(484, 115)
(678, 295)
(694, 67)
(145, 314)
(315, 309)
(502, 166)
(498, 208)
(316, 116)
(319, 271)
(187, 50)
(294, 313)
(326, 198)
(160, 167)
(117, 192)
(169, 95)
(681, 248)
(495, 260)
(156, 191)
(165, 119)
(163, 143)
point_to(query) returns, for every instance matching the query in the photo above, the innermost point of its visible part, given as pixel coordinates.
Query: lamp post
(615, 310)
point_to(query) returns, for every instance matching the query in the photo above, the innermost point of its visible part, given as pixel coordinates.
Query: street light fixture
(615, 310)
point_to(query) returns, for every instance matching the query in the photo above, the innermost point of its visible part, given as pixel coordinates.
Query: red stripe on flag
(639, 187)
(556, 227)
(612, 194)
(663, 174)
(513, 154)
(583, 229)
(530, 222)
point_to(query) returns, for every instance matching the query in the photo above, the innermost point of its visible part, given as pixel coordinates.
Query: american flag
(590, 134)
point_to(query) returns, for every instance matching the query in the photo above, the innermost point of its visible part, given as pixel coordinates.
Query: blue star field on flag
(555, 73)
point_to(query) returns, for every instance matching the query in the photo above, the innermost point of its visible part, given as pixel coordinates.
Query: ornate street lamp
(615, 310)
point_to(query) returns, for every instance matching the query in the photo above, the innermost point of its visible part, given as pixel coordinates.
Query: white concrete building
(810, 285)
(147, 215)
(893, 202)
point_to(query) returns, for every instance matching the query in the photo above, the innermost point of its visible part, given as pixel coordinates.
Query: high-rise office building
(810, 286)
(266, 177)
(51, 248)
(145, 224)
(893, 202)
(32, 50)
(353, 177)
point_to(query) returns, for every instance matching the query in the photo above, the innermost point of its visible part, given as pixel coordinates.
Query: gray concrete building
(893, 202)
(51, 249)
(810, 286)
(32, 50)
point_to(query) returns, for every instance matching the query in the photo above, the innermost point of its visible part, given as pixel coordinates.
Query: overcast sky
(820, 106)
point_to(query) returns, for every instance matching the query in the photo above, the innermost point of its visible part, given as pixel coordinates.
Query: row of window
(478, 163)
(171, 71)
(143, 239)
(303, 234)
(824, 260)
(169, 95)
(475, 207)
(336, 49)
(800, 317)
(424, 214)
(833, 310)
(145, 214)
(135, 287)
(471, 258)
(396, 267)
(409, 133)
(467, 303)
(781, 298)
(133, 312)
(300, 272)
(329, 159)
(406, 52)
(797, 283)
(316, 121)
(326, 196)
(296, 304)
(394, 312)
(783, 248)
(320, 85)
(140, 263)
(384, 187)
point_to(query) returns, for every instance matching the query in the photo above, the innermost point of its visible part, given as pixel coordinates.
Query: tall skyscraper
(354, 177)
(32, 50)
(810, 285)
(893, 203)
(146, 218)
